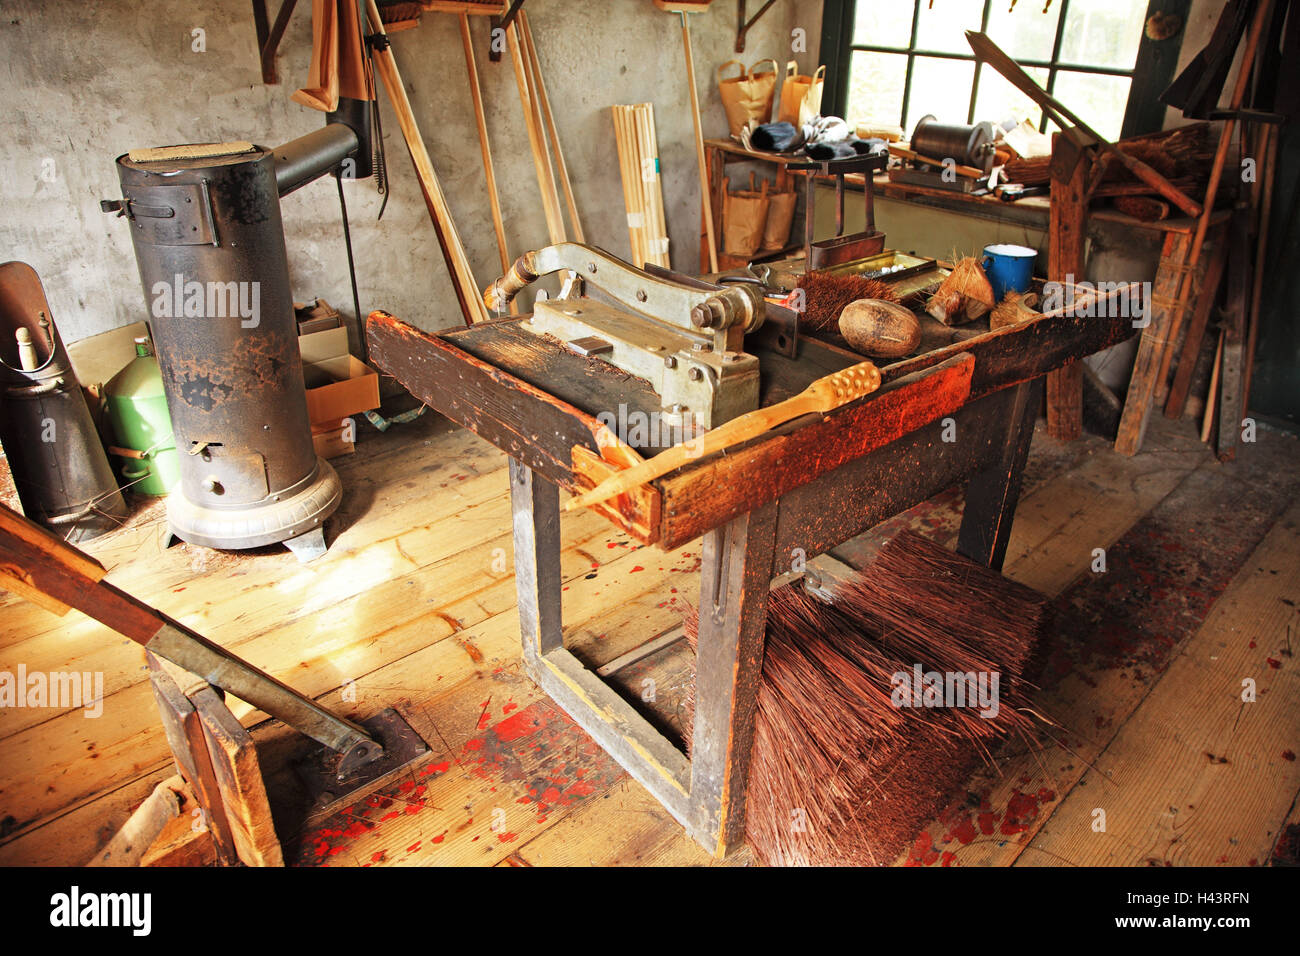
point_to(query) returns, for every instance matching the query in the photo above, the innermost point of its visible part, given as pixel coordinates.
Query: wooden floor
(413, 607)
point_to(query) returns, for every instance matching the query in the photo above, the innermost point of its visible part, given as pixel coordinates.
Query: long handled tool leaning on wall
(462, 276)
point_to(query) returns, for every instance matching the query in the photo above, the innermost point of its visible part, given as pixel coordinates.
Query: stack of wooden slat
(638, 158)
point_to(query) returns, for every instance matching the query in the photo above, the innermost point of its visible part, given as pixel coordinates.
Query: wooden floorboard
(413, 607)
(1115, 633)
(1197, 775)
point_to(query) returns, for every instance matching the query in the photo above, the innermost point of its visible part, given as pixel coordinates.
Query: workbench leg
(992, 493)
(736, 574)
(535, 506)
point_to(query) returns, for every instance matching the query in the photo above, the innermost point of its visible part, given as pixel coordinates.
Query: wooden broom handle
(823, 395)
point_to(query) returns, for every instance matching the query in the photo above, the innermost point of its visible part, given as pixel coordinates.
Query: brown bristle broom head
(825, 297)
(842, 771)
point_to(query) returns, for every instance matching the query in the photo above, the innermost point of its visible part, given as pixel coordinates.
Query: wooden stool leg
(735, 576)
(992, 493)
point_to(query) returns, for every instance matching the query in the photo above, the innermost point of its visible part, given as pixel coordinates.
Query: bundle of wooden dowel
(638, 159)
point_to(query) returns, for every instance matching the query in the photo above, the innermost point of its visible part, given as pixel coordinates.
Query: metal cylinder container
(965, 145)
(210, 248)
(60, 470)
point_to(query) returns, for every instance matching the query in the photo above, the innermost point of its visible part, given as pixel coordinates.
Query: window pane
(1103, 33)
(941, 87)
(883, 24)
(942, 27)
(1025, 33)
(999, 100)
(876, 87)
(1096, 99)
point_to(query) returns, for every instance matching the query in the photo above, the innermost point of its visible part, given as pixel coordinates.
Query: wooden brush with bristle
(825, 297)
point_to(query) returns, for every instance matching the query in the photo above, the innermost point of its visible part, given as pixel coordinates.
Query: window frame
(1152, 70)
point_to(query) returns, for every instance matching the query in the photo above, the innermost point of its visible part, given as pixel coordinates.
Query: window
(895, 61)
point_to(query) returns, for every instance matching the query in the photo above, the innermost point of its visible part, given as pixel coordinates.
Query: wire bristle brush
(825, 297)
(846, 767)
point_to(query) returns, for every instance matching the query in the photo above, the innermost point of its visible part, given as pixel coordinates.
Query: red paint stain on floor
(335, 834)
(541, 747)
(923, 852)
(1022, 810)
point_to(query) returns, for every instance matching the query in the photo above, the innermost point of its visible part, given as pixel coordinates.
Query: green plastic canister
(137, 412)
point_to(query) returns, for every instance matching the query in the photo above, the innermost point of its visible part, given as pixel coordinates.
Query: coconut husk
(1013, 309)
(964, 295)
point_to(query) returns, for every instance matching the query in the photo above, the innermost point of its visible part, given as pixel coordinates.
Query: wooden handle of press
(498, 296)
(823, 395)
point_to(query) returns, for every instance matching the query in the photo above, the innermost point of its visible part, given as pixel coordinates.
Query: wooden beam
(1067, 259)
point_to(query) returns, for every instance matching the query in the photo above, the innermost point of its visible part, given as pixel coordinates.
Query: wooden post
(736, 575)
(239, 779)
(1066, 260)
(993, 492)
(184, 733)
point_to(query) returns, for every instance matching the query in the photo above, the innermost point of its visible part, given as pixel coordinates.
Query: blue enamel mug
(1009, 268)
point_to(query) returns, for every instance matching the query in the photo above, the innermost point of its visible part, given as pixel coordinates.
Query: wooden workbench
(964, 411)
